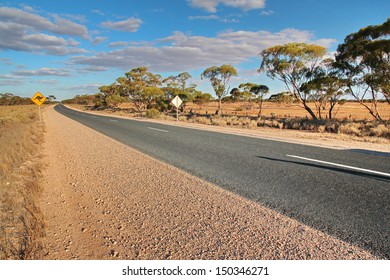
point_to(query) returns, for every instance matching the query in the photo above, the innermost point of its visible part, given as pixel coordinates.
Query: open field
(350, 110)
(21, 222)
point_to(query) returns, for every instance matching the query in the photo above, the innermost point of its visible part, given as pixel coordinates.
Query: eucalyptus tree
(251, 92)
(142, 87)
(294, 65)
(177, 86)
(326, 88)
(110, 96)
(259, 91)
(220, 78)
(364, 61)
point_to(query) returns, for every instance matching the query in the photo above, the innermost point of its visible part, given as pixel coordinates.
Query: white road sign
(176, 101)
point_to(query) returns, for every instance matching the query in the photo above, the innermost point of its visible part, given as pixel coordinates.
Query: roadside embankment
(21, 146)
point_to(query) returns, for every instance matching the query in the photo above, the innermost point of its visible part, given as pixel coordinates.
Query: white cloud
(97, 40)
(210, 17)
(48, 82)
(42, 72)
(25, 31)
(181, 52)
(267, 13)
(98, 12)
(226, 19)
(83, 89)
(118, 44)
(211, 5)
(130, 25)
(10, 80)
(27, 8)
(93, 69)
(67, 27)
(39, 23)
(6, 61)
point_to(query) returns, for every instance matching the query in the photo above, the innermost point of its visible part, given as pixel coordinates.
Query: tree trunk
(219, 107)
(261, 108)
(331, 111)
(310, 111)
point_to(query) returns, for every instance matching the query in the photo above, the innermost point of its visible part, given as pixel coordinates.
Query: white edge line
(114, 120)
(342, 165)
(161, 130)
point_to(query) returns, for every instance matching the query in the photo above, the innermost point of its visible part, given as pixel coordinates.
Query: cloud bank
(25, 31)
(181, 52)
(211, 5)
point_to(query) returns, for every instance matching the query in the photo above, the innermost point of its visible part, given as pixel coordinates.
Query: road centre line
(114, 120)
(161, 130)
(342, 165)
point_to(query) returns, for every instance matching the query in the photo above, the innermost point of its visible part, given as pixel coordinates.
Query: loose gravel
(104, 200)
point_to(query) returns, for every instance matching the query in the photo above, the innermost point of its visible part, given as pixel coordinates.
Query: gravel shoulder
(103, 200)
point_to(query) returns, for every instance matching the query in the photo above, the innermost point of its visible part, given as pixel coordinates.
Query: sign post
(38, 99)
(177, 102)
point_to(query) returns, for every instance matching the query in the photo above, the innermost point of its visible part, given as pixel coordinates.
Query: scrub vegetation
(21, 221)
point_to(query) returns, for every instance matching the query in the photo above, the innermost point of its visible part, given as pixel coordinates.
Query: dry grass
(21, 222)
(349, 110)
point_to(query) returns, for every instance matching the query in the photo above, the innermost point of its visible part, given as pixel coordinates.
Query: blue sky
(72, 47)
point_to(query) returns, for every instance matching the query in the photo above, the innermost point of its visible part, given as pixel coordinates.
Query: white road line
(342, 165)
(161, 130)
(114, 120)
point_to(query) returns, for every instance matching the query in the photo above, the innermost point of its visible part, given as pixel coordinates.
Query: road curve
(343, 193)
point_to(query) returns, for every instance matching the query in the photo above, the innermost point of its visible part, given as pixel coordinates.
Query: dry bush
(270, 123)
(351, 129)
(153, 113)
(21, 221)
(252, 124)
(380, 131)
(356, 128)
(202, 120)
(233, 121)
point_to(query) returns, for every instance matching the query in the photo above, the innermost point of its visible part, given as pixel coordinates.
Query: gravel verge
(104, 200)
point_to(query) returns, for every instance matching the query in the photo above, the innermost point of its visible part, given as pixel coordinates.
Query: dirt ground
(104, 200)
(349, 110)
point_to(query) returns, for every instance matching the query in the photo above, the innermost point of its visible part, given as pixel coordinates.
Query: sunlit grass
(21, 141)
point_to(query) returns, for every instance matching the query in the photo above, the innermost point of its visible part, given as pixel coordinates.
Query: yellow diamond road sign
(38, 98)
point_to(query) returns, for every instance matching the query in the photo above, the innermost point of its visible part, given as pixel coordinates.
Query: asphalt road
(345, 193)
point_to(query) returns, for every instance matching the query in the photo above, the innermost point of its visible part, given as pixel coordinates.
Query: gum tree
(252, 92)
(220, 78)
(141, 86)
(364, 61)
(326, 89)
(294, 65)
(177, 86)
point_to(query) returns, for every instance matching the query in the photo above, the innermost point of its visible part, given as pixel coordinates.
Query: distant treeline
(8, 99)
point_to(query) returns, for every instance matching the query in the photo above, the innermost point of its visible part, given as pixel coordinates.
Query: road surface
(344, 193)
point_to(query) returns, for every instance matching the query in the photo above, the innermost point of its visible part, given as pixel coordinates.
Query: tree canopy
(364, 61)
(293, 64)
(141, 86)
(219, 78)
